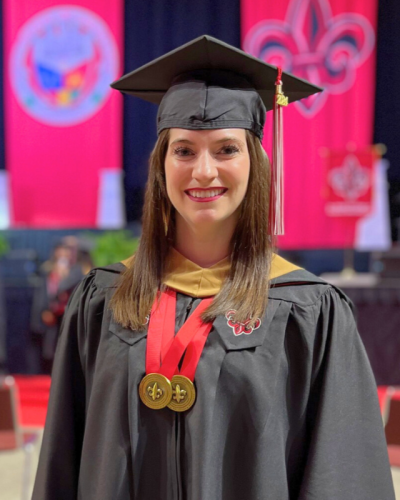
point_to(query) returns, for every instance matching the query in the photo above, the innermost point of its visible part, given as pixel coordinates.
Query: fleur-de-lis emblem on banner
(239, 328)
(351, 180)
(314, 45)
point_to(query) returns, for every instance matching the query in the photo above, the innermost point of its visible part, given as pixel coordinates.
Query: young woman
(206, 367)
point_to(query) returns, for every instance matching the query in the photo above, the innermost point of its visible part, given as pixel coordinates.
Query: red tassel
(277, 200)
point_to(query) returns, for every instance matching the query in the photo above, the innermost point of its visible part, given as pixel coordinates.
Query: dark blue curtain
(387, 103)
(152, 28)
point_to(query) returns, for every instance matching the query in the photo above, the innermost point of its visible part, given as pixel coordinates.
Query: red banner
(331, 43)
(63, 124)
(349, 181)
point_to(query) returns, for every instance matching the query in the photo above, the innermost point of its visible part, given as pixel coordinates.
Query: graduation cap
(208, 84)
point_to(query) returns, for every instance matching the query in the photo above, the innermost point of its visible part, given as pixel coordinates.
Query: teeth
(206, 194)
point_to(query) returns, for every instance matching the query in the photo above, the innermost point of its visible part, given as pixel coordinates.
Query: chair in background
(12, 436)
(389, 398)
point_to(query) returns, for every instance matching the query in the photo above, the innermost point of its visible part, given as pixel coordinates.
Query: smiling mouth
(203, 195)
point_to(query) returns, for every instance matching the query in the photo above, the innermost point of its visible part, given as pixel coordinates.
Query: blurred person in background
(80, 265)
(58, 277)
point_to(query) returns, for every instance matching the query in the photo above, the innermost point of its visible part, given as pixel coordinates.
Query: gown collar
(186, 277)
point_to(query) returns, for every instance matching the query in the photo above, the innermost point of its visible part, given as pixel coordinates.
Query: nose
(204, 171)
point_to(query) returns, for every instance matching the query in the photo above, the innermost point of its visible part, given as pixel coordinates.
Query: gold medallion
(155, 391)
(183, 393)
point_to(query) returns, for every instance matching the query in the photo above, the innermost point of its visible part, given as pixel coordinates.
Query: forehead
(199, 136)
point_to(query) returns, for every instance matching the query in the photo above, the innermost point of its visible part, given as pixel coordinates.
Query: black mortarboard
(208, 84)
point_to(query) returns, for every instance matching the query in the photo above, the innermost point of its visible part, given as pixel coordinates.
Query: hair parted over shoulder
(246, 287)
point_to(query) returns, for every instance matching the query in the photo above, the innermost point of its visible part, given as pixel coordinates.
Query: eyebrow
(219, 141)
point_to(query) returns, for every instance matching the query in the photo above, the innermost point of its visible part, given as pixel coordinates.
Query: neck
(205, 246)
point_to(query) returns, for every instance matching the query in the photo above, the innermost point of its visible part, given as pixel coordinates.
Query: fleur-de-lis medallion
(155, 391)
(183, 393)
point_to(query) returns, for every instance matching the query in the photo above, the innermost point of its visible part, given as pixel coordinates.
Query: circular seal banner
(61, 65)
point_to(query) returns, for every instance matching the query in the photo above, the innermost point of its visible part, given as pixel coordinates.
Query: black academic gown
(288, 411)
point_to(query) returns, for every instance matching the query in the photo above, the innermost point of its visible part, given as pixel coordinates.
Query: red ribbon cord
(164, 350)
(278, 80)
(193, 352)
(159, 322)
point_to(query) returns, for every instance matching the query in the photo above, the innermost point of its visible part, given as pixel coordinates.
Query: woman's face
(207, 173)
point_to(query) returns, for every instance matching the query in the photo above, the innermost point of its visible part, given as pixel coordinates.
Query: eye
(230, 149)
(182, 151)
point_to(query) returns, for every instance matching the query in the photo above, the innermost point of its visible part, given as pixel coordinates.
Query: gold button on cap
(155, 391)
(183, 393)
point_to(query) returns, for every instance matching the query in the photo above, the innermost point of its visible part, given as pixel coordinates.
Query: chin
(200, 221)
(205, 217)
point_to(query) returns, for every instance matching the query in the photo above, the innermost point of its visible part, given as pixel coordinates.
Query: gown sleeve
(347, 454)
(59, 461)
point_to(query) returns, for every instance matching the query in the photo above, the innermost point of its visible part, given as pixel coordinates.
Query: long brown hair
(245, 289)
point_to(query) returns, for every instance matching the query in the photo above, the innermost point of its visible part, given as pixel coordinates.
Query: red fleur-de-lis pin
(239, 328)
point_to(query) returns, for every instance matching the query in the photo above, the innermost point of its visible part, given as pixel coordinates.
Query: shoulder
(319, 316)
(88, 302)
(94, 286)
(102, 277)
(107, 276)
(305, 289)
